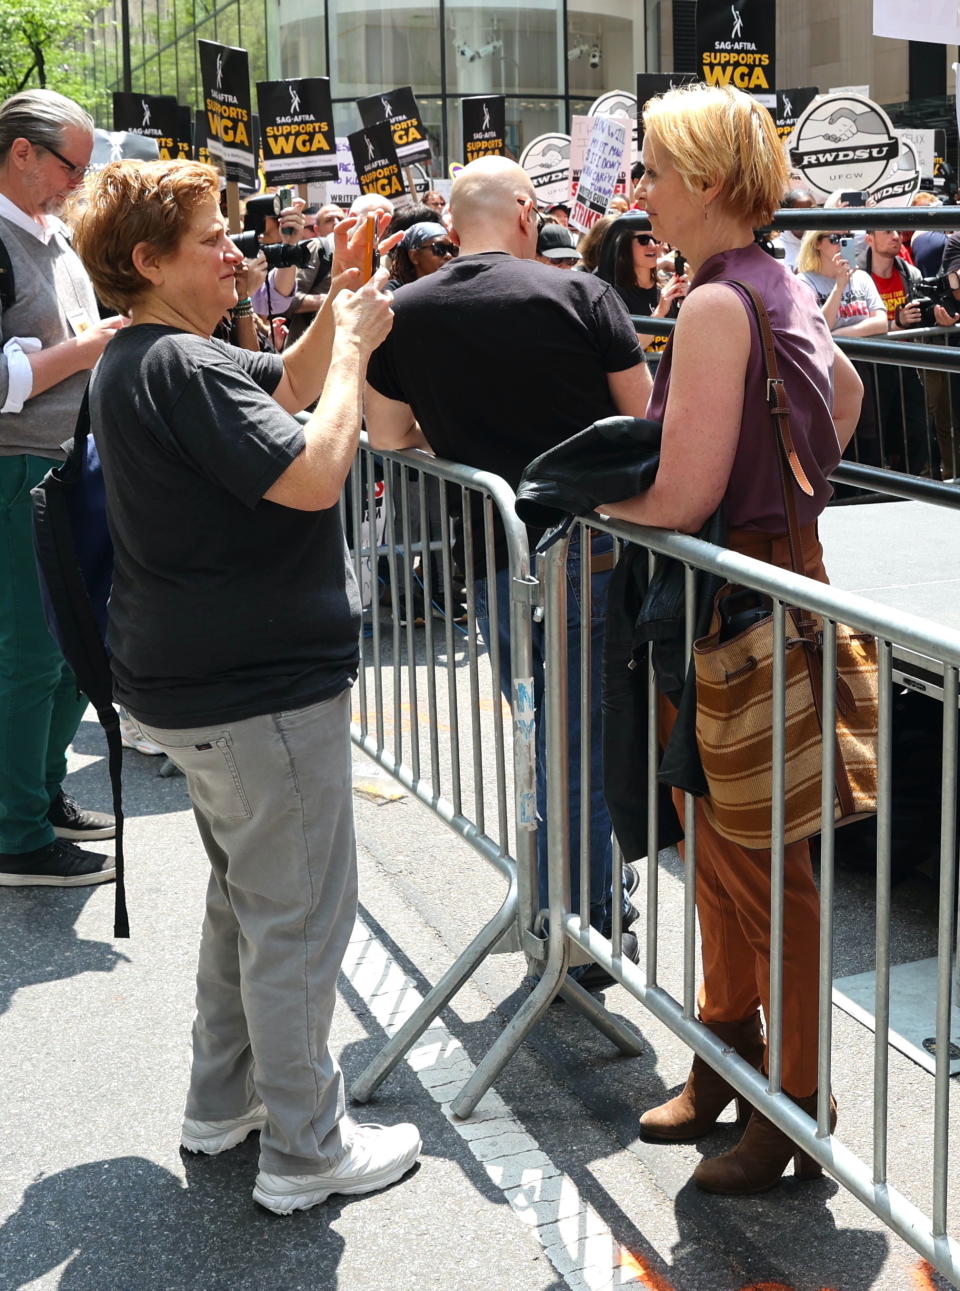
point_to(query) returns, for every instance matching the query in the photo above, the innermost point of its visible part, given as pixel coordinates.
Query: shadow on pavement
(39, 943)
(128, 1224)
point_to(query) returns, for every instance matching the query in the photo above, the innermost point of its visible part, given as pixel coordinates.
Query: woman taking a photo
(234, 619)
(714, 170)
(848, 297)
(638, 286)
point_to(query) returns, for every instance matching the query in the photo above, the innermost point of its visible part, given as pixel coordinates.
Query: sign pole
(411, 182)
(233, 206)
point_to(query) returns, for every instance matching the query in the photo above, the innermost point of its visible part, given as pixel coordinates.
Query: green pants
(40, 708)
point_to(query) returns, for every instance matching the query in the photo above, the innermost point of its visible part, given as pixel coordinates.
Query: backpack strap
(78, 632)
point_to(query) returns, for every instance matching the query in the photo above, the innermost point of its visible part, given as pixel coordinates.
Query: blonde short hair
(808, 255)
(130, 202)
(718, 134)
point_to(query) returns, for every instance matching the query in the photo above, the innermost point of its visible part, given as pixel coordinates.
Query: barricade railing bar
(415, 681)
(420, 711)
(910, 419)
(868, 1180)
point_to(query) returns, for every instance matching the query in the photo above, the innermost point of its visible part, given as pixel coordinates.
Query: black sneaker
(59, 865)
(592, 977)
(72, 821)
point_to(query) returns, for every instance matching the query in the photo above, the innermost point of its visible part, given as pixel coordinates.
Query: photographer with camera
(910, 301)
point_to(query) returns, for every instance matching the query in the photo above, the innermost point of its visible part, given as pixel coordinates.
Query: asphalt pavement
(546, 1188)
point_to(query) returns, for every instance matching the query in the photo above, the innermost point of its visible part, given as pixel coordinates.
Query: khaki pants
(272, 796)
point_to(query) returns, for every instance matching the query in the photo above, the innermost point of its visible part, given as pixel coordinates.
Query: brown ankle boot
(760, 1158)
(695, 1109)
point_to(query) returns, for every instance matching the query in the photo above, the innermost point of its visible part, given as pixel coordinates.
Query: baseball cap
(556, 243)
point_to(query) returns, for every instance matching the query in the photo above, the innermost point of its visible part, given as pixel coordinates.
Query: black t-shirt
(951, 254)
(224, 605)
(501, 359)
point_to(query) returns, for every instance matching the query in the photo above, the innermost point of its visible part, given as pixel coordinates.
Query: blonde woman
(714, 170)
(848, 296)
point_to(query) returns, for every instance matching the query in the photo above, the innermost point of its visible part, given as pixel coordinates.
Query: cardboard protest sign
(375, 159)
(623, 105)
(546, 160)
(155, 116)
(844, 141)
(791, 104)
(737, 45)
(900, 182)
(225, 76)
(399, 107)
(609, 139)
(296, 125)
(484, 126)
(925, 146)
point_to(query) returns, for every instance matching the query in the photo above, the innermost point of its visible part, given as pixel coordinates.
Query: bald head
(493, 206)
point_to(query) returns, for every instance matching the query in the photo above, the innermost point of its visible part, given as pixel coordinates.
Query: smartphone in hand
(371, 258)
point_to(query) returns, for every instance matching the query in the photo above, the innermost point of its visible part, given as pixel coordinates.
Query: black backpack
(75, 563)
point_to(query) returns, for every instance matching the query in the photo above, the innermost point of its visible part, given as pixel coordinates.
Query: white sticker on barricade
(524, 736)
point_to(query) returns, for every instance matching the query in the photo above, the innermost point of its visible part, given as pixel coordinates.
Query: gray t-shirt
(224, 605)
(859, 300)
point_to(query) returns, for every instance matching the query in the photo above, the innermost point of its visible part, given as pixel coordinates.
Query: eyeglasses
(645, 239)
(442, 249)
(72, 169)
(522, 201)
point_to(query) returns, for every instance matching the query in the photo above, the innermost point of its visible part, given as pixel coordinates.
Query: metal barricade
(869, 1181)
(420, 648)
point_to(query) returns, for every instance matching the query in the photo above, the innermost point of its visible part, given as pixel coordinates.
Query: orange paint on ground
(642, 1273)
(922, 1276)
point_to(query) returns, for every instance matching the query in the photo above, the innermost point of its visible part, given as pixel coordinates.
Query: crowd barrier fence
(439, 668)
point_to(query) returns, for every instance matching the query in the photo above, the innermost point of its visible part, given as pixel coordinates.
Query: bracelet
(243, 308)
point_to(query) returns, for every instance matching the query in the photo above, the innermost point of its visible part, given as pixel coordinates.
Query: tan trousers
(733, 898)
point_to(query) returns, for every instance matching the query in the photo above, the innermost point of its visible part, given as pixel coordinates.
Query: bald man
(493, 359)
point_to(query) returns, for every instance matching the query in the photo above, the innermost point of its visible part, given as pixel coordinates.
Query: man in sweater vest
(51, 336)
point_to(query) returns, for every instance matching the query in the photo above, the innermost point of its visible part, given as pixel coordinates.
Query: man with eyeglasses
(52, 335)
(520, 358)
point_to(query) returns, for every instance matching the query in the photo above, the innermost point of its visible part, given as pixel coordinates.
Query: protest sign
(936, 21)
(155, 116)
(546, 160)
(225, 76)
(375, 160)
(791, 105)
(609, 139)
(399, 107)
(484, 126)
(737, 45)
(296, 125)
(121, 145)
(844, 141)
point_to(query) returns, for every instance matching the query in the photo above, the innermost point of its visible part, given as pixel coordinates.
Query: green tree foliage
(41, 45)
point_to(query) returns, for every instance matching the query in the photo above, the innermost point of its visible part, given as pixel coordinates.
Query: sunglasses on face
(442, 249)
(645, 239)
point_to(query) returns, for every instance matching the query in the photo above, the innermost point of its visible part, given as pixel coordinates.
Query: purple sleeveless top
(804, 350)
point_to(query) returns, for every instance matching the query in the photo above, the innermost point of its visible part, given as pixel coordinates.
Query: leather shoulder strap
(787, 459)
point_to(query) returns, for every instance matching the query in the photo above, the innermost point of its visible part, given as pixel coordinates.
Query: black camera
(934, 291)
(279, 255)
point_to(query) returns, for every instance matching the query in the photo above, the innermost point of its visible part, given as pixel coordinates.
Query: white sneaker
(131, 738)
(218, 1136)
(378, 1156)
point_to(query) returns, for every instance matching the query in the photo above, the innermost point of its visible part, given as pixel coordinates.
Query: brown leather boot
(760, 1158)
(695, 1109)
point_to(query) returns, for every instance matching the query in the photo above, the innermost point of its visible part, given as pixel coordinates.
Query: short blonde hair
(130, 202)
(808, 255)
(718, 134)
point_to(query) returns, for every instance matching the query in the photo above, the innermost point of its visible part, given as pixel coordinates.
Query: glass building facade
(550, 58)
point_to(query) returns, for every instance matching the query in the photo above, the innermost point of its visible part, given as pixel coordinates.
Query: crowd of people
(234, 614)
